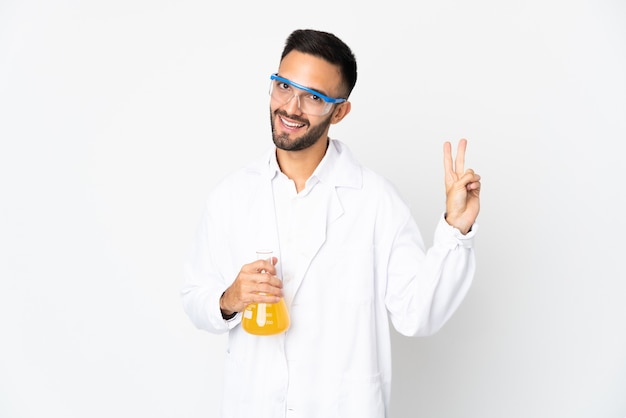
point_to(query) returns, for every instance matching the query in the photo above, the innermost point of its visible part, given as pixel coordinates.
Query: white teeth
(291, 124)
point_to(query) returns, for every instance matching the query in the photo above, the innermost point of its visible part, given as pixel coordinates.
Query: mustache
(292, 117)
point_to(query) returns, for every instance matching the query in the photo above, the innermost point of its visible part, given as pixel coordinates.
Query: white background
(117, 117)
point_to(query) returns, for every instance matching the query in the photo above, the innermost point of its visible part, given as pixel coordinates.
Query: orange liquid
(266, 318)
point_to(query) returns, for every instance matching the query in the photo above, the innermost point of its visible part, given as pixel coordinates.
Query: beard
(313, 134)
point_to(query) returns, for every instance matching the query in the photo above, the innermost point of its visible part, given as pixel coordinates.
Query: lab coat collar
(338, 168)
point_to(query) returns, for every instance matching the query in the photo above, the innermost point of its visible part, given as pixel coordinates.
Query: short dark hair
(328, 47)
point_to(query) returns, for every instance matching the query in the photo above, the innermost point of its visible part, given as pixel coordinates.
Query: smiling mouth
(290, 124)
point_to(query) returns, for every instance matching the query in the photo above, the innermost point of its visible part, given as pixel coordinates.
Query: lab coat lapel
(263, 216)
(314, 229)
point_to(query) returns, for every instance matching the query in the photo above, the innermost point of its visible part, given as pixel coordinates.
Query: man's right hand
(255, 283)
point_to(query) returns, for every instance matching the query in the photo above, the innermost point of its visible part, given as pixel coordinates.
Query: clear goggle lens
(309, 101)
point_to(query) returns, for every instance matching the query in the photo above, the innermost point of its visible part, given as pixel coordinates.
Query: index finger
(266, 266)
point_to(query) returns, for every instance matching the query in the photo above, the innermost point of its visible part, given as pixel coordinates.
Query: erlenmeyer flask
(266, 318)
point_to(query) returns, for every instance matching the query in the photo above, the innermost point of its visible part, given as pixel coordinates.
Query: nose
(293, 105)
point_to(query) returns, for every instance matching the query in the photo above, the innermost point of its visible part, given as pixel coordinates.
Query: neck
(300, 165)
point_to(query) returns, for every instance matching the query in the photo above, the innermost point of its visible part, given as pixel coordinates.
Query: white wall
(116, 118)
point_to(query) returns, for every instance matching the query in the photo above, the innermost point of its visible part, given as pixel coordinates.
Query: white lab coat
(363, 264)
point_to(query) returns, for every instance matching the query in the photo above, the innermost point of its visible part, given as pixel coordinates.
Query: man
(349, 257)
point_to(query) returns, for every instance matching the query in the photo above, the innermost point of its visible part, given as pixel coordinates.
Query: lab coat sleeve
(203, 284)
(425, 288)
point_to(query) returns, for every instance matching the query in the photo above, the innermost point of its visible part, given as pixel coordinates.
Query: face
(293, 130)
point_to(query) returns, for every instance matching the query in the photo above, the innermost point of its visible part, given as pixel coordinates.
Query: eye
(314, 98)
(283, 86)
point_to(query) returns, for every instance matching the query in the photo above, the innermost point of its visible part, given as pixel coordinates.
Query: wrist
(226, 313)
(458, 224)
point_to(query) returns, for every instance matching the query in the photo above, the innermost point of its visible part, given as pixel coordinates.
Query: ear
(340, 112)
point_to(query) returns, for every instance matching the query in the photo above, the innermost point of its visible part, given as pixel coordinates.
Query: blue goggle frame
(327, 99)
